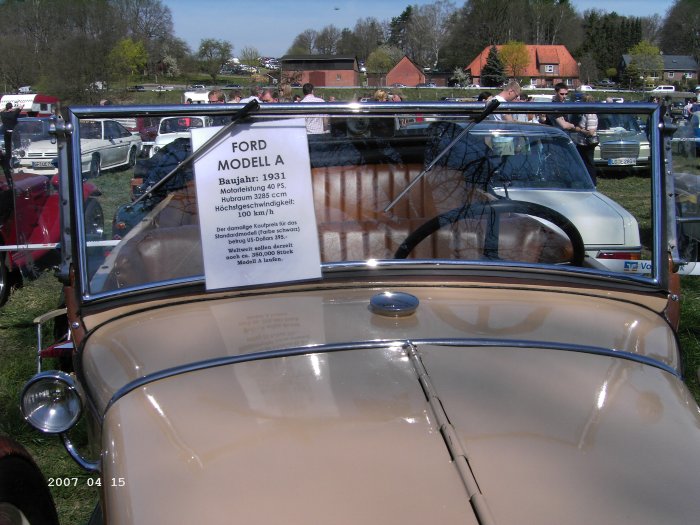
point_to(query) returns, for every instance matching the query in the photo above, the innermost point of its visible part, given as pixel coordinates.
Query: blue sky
(271, 25)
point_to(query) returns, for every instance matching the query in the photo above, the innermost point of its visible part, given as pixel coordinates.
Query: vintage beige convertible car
(360, 326)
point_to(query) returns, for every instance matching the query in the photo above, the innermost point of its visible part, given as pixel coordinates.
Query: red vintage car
(29, 225)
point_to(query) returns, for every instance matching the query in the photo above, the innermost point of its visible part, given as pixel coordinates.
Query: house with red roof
(548, 65)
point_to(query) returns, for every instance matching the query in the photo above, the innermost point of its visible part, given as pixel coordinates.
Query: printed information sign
(255, 203)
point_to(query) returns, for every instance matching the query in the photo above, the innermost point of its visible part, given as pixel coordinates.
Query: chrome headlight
(50, 402)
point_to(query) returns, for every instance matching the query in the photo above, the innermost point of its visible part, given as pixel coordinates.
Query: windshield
(619, 123)
(284, 197)
(178, 124)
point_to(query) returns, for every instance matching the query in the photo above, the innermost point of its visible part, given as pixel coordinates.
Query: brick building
(406, 72)
(320, 70)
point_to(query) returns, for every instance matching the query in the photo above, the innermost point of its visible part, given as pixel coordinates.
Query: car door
(118, 146)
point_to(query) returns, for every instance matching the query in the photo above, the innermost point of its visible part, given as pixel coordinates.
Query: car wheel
(131, 161)
(24, 494)
(94, 220)
(4, 281)
(95, 166)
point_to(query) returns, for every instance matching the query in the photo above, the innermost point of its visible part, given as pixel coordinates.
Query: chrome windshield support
(253, 105)
(490, 108)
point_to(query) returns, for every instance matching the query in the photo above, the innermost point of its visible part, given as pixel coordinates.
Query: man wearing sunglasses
(561, 91)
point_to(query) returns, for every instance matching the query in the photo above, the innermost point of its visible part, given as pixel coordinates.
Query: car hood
(40, 146)
(377, 432)
(601, 221)
(334, 423)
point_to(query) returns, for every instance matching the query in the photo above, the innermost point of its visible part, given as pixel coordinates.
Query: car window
(90, 129)
(371, 187)
(618, 122)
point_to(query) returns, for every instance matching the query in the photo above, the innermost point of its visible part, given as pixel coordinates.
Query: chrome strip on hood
(342, 347)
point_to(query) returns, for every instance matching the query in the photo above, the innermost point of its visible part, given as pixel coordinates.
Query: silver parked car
(539, 164)
(623, 143)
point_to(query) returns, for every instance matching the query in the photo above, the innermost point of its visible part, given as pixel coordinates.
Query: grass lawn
(17, 345)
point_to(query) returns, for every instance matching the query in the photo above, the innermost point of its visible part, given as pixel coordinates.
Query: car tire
(24, 494)
(4, 280)
(131, 159)
(95, 166)
(94, 220)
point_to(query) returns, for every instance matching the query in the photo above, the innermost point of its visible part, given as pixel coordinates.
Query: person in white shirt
(314, 125)
(510, 92)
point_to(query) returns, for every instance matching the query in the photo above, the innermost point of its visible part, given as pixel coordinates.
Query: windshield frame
(70, 162)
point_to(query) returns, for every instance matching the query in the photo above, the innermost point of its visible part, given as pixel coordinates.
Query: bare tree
(304, 43)
(89, 30)
(651, 29)
(370, 34)
(327, 40)
(427, 31)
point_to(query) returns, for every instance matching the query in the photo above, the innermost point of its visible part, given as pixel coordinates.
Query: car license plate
(622, 162)
(41, 164)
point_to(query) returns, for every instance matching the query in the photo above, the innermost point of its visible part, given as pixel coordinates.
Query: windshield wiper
(490, 108)
(251, 106)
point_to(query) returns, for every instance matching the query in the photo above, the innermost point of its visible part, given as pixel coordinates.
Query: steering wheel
(493, 209)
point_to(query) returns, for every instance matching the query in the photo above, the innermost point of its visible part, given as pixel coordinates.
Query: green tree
(127, 59)
(515, 57)
(460, 76)
(250, 56)
(679, 33)
(380, 61)
(493, 72)
(632, 77)
(347, 44)
(646, 58)
(608, 36)
(213, 54)
(398, 30)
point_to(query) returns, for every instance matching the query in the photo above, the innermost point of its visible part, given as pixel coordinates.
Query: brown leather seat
(350, 202)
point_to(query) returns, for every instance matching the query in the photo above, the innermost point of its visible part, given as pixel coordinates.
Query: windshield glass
(281, 197)
(178, 124)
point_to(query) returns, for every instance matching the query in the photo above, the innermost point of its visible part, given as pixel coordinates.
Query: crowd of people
(582, 128)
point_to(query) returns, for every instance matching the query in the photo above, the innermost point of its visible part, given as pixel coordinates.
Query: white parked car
(34, 149)
(586, 87)
(171, 128)
(106, 144)
(539, 164)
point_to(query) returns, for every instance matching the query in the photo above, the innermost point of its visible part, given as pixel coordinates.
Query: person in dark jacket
(8, 117)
